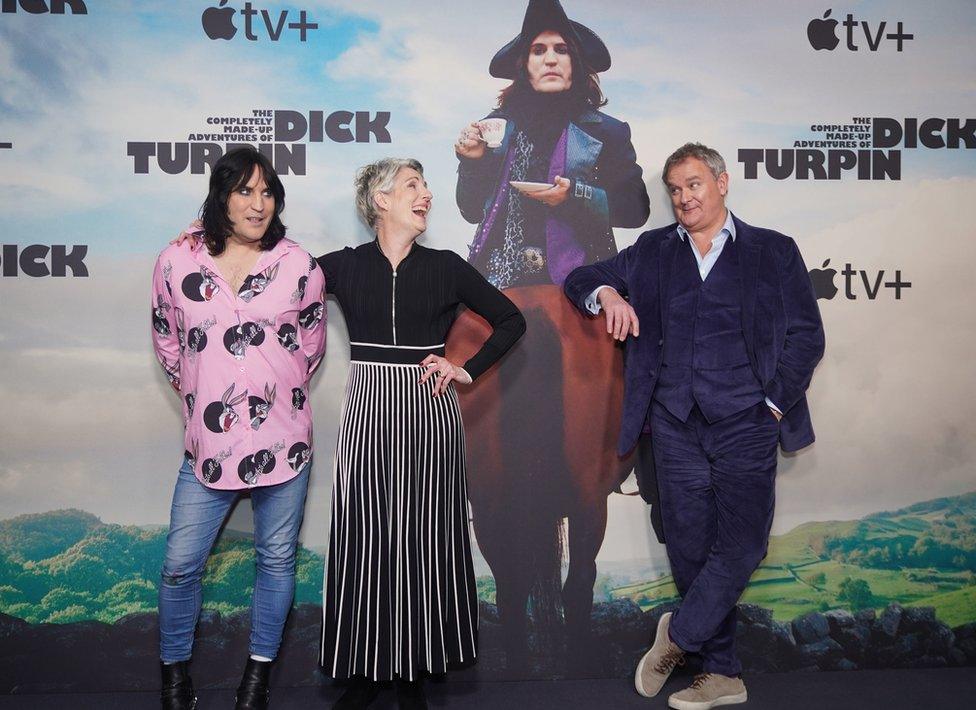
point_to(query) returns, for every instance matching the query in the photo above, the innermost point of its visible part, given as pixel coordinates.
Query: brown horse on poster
(541, 429)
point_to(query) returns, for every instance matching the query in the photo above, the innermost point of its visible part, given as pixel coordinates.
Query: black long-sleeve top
(414, 307)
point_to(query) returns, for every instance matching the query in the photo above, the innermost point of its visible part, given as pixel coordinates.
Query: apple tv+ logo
(823, 282)
(822, 33)
(218, 23)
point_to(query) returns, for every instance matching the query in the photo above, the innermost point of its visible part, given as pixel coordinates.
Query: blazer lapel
(667, 261)
(750, 257)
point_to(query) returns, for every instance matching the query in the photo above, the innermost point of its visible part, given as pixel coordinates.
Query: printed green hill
(68, 566)
(922, 555)
(940, 533)
(28, 538)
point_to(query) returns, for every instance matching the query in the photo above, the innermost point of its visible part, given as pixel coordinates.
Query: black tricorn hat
(543, 15)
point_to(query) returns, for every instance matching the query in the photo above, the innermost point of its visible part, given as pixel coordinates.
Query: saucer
(530, 186)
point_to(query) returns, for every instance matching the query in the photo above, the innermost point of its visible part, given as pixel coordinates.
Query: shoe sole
(640, 666)
(736, 699)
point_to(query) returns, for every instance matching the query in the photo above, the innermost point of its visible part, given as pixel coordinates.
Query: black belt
(393, 354)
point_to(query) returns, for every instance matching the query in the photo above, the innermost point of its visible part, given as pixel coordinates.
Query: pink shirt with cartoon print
(241, 361)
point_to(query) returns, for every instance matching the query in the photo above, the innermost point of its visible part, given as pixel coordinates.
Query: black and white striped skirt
(400, 595)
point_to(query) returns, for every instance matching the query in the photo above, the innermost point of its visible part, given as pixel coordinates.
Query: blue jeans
(195, 520)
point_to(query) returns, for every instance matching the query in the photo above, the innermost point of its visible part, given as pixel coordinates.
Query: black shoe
(360, 692)
(254, 692)
(177, 692)
(411, 695)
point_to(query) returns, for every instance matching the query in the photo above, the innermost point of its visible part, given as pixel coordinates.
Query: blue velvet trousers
(717, 487)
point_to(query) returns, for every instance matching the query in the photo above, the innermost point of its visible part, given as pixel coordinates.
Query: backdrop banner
(849, 128)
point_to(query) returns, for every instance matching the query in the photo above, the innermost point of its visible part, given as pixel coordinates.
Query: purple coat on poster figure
(606, 190)
(553, 134)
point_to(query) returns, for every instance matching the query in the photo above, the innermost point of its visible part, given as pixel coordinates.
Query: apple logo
(821, 33)
(218, 22)
(823, 281)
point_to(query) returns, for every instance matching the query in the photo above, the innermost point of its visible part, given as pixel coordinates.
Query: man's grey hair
(378, 177)
(709, 156)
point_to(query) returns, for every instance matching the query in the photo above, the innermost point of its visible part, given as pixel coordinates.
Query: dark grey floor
(943, 689)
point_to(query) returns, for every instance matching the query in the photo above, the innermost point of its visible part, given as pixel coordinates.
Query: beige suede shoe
(709, 690)
(657, 664)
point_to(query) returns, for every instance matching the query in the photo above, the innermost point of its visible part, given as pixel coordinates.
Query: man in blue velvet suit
(722, 336)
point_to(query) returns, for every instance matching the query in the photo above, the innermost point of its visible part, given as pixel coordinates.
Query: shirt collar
(265, 259)
(728, 228)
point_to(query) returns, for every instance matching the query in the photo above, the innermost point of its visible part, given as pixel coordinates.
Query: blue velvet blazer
(780, 320)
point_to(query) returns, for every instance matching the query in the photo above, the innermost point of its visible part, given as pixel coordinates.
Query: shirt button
(661, 341)
(652, 373)
(242, 369)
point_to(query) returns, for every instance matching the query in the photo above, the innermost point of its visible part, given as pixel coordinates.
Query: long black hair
(231, 172)
(585, 88)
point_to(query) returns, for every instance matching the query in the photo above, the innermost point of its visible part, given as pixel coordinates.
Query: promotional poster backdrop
(848, 127)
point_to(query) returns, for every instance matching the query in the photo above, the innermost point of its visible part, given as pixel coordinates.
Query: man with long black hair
(237, 324)
(555, 134)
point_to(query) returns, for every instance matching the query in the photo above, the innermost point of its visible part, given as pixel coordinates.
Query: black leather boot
(254, 692)
(360, 692)
(177, 691)
(411, 695)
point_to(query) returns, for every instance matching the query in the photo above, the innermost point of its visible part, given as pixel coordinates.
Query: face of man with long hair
(549, 65)
(250, 208)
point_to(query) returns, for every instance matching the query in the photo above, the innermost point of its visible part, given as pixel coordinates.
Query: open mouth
(421, 211)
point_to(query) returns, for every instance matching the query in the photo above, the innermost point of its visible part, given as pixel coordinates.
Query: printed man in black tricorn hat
(574, 167)
(546, 176)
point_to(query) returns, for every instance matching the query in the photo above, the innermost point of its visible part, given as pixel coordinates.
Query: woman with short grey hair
(378, 177)
(400, 597)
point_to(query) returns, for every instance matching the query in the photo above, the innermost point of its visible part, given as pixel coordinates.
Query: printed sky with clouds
(89, 422)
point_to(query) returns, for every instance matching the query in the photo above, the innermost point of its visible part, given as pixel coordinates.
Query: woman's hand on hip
(445, 371)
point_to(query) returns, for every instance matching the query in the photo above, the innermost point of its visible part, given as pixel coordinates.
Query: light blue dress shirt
(705, 263)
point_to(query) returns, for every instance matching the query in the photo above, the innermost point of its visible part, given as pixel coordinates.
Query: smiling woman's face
(549, 65)
(408, 203)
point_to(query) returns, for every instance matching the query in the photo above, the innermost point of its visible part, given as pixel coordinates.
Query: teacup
(492, 131)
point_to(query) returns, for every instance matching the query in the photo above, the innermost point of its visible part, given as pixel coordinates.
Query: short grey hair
(711, 157)
(378, 177)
